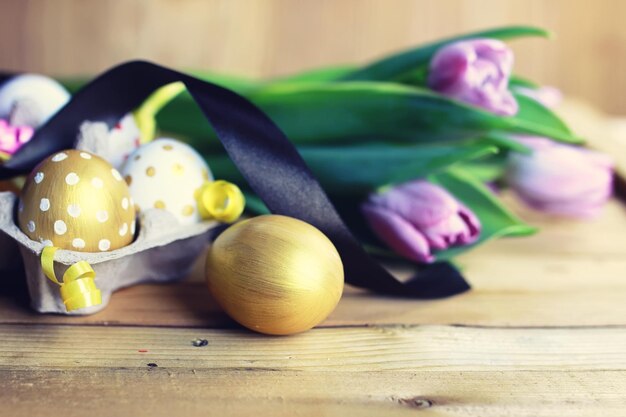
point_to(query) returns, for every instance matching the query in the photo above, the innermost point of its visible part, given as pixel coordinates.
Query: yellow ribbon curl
(220, 200)
(146, 113)
(78, 289)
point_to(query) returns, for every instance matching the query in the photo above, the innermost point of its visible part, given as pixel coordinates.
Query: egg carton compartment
(163, 250)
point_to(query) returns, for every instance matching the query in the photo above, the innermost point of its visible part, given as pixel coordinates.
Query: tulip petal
(397, 233)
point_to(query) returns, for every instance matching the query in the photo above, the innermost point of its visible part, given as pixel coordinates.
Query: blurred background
(586, 57)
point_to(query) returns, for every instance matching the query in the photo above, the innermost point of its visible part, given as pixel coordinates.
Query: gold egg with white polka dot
(76, 200)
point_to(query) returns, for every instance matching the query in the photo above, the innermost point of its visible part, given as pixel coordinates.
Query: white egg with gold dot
(75, 200)
(167, 174)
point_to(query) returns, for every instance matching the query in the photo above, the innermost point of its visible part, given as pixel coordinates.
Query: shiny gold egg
(76, 200)
(275, 274)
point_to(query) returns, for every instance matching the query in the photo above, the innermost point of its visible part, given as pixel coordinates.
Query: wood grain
(586, 58)
(395, 370)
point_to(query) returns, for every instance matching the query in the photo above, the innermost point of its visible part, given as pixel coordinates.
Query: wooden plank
(347, 349)
(198, 392)
(391, 370)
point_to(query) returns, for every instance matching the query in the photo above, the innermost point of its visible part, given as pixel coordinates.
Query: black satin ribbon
(265, 157)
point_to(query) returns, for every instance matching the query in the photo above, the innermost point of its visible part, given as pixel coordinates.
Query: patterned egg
(76, 200)
(167, 174)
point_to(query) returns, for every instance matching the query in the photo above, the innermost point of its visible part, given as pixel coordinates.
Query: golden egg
(275, 274)
(76, 200)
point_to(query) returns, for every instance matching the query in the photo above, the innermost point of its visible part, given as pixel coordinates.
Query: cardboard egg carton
(163, 250)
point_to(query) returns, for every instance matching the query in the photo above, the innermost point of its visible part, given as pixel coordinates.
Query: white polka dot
(59, 157)
(78, 243)
(102, 216)
(104, 244)
(47, 242)
(85, 155)
(72, 178)
(39, 177)
(132, 227)
(116, 174)
(31, 226)
(44, 204)
(123, 229)
(20, 206)
(97, 182)
(125, 203)
(60, 227)
(73, 210)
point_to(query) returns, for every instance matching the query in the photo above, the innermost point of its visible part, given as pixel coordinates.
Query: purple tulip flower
(13, 137)
(561, 179)
(417, 217)
(477, 72)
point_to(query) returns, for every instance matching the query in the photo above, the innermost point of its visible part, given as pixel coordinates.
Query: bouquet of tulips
(412, 148)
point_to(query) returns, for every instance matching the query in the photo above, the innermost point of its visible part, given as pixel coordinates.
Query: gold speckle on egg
(178, 169)
(196, 193)
(129, 179)
(188, 210)
(150, 171)
(205, 174)
(159, 204)
(168, 147)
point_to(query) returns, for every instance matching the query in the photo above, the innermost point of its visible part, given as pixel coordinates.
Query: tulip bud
(477, 72)
(418, 217)
(561, 179)
(13, 137)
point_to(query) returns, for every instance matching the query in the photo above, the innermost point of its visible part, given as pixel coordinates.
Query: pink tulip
(13, 137)
(477, 72)
(418, 217)
(561, 179)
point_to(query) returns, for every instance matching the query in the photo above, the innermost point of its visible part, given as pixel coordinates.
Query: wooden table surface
(543, 333)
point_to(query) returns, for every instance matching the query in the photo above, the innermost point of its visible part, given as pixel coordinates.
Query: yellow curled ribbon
(145, 114)
(78, 289)
(220, 200)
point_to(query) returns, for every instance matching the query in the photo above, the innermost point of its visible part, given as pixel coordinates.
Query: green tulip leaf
(401, 63)
(359, 169)
(534, 112)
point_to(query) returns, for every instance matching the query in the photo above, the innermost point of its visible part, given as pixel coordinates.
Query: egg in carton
(179, 199)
